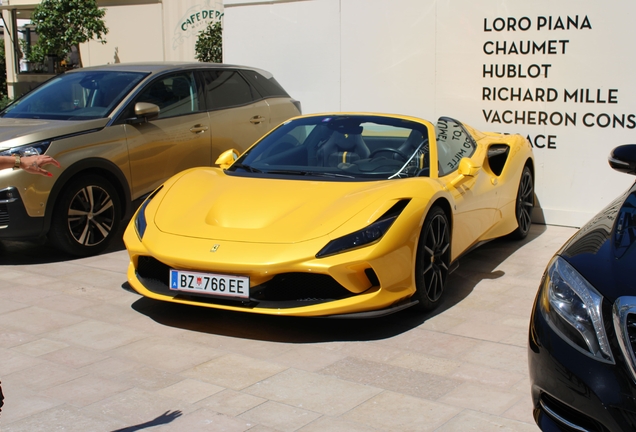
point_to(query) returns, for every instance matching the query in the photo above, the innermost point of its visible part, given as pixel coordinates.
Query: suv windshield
(81, 95)
(341, 146)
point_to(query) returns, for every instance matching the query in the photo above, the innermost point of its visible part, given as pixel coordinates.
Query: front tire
(433, 259)
(524, 204)
(86, 217)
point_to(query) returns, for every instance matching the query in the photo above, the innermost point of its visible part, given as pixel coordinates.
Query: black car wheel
(86, 216)
(433, 259)
(525, 204)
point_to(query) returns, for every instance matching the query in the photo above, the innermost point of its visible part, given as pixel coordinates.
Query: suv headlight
(37, 148)
(573, 308)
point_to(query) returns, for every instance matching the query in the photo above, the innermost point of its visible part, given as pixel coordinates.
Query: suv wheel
(86, 216)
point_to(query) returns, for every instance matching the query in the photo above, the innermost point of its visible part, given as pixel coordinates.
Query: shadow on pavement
(311, 330)
(165, 418)
(39, 251)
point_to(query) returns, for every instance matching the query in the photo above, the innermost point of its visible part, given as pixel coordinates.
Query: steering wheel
(391, 150)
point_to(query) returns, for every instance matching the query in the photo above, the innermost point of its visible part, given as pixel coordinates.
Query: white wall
(167, 30)
(134, 34)
(427, 58)
(299, 42)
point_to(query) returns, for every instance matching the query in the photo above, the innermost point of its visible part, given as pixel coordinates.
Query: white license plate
(210, 283)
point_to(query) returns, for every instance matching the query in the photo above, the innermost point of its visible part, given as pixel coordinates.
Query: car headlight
(37, 148)
(140, 218)
(367, 235)
(573, 308)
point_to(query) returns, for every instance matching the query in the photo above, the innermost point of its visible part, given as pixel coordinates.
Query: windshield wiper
(325, 174)
(290, 172)
(246, 168)
(308, 173)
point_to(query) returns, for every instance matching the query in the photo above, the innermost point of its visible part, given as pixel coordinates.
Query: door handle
(257, 119)
(198, 128)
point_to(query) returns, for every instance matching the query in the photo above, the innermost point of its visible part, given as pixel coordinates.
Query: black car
(582, 339)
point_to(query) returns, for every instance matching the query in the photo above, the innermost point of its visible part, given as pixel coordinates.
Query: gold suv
(119, 131)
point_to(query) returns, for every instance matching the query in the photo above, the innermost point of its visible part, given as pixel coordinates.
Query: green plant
(209, 44)
(64, 24)
(4, 101)
(3, 72)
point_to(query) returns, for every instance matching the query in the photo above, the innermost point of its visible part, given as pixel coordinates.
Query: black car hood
(604, 250)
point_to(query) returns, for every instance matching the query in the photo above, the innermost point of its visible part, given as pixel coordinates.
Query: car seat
(343, 148)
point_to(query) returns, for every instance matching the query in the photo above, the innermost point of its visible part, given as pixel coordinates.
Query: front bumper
(573, 392)
(15, 223)
(284, 279)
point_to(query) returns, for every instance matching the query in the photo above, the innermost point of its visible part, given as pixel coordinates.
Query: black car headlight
(33, 149)
(140, 218)
(573, 308)
(367, 235)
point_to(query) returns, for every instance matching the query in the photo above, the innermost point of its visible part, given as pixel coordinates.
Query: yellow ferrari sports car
(342, 214)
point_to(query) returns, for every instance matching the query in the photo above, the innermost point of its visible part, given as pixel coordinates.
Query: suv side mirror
(143, 112)
(623, 159)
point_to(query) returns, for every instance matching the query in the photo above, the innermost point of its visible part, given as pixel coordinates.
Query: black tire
(433, 259)
(524, 205)
(86, 216)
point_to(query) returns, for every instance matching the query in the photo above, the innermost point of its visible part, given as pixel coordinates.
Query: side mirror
(227, 158)
(143, 112)
(465, 169)
(623, 159)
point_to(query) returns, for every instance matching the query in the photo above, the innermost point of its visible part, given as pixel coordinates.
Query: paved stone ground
(79, 353)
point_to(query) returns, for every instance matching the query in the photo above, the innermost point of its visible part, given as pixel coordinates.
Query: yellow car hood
(207, 203)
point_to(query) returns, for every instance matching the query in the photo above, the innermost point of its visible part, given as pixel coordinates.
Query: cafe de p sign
(187, 19)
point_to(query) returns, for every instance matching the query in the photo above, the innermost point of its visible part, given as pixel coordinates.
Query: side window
(174, 94)
(225, 89)
(266, 86)
(453, 144)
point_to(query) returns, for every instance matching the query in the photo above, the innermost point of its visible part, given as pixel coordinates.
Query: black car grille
(626, 418)
(4, 215)
(565, 415)
(630, 328)
(282, 291)
(624, 316)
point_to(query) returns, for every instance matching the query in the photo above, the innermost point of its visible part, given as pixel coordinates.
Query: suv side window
(227, 88)
(175, 95)
(267, 87)
(453, 144)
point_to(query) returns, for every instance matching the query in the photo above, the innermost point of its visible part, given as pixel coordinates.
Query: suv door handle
(198, 128)
(257, 119)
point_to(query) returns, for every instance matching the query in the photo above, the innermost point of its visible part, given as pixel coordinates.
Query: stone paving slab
(80, 353)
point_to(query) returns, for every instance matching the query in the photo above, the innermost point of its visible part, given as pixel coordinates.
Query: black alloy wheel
(524, 204)
(86, 217)
(433, 259)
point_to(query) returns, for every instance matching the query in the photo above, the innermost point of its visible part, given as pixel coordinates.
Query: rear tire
(433, 260)
(86, 217)
(524, 205)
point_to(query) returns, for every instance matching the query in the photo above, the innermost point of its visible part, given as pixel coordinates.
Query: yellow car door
(474, 190)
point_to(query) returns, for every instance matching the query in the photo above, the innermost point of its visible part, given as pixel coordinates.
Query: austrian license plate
(210, 283)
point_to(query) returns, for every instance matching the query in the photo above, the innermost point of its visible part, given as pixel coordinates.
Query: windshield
(75, 96)
(341, 146)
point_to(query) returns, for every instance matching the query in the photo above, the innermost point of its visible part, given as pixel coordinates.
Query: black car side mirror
(623, 159)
